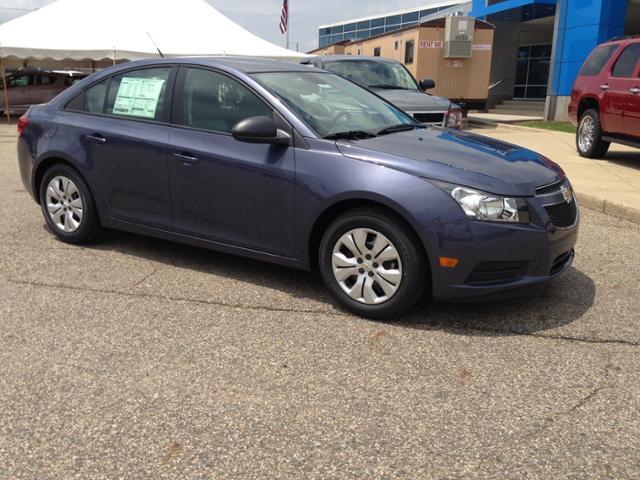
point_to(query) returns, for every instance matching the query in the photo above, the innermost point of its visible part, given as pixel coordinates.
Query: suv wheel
(589, 136)
(68, 206)
(372, 264)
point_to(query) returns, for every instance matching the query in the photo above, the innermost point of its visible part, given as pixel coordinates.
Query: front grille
(496, 272)
(560, 262)
(429, 117)
(563, 214)
(547, 189)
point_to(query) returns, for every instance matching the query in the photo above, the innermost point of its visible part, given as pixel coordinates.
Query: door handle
(95, 137)
(186, 158)
(604, 86)
(634, 90)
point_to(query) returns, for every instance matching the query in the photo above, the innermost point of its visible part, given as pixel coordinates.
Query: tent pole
(4, 90)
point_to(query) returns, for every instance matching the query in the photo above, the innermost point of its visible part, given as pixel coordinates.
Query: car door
(224, 190)
(617, 88)
(632, 108)
(124, 134)
(44, 88)
(18, 91)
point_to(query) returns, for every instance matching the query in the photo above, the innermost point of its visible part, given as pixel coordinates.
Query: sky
(262, 17)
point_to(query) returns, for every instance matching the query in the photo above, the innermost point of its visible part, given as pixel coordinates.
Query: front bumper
(497, 258)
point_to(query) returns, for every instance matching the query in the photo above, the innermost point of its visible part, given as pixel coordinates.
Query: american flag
(284, 16)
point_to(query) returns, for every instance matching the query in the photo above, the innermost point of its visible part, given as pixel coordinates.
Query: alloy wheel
(367, 266)
(64, 204)
(586, 133)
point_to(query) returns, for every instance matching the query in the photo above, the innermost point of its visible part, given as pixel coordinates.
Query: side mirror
(259, 129)
(426, 84)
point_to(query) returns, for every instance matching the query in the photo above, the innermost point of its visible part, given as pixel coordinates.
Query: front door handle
(634, 90)
(95, 137)
(186, 158)
(604, 86)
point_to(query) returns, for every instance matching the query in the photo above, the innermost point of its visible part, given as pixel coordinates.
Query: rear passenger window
(44, 80)
(94, 97)
(75, 103)
(215, 102)
(627, 61)
(138, 94)
(598, 58)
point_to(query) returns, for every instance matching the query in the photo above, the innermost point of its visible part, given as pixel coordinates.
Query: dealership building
(538, 45)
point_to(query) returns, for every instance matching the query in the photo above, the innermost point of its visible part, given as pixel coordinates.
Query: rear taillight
(454, 117)
(23, 122)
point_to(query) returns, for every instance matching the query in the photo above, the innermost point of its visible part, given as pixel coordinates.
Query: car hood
(458, 157)
(414, 100)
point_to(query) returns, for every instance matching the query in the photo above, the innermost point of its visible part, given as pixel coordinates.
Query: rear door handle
(186, 158)
(95, 137)
(634, 90)
(604, 86)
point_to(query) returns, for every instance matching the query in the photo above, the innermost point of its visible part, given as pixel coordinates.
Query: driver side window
(216, 102)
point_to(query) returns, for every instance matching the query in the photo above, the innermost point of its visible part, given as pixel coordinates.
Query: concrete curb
(608, 207)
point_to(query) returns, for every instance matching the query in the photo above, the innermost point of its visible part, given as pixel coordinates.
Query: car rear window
(597, 60)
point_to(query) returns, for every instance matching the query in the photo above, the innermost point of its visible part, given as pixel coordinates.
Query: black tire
(89, 227)
(598, 147)
(414, 266)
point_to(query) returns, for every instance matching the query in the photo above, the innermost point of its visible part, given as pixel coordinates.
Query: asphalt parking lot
(139, 358)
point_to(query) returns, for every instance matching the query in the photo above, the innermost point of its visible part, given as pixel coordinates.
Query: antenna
(154, 44)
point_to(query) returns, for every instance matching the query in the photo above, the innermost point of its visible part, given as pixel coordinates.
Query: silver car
(391, 80)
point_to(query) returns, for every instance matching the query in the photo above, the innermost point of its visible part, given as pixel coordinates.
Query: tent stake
(4, 89)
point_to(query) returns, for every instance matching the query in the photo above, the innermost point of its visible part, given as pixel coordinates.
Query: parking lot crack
(144, 279)
(170, 298)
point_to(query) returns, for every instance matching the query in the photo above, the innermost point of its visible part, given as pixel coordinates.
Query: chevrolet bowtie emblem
(567, 193)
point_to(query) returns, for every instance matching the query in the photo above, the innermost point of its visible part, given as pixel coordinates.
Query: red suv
(605, 101)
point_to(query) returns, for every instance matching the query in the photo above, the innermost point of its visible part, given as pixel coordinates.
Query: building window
(396, 45)
(376, 52)
(408, 52)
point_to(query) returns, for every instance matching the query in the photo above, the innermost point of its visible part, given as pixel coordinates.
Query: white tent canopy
(119, 30)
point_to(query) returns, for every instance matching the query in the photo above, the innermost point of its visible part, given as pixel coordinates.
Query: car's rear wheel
(68, 206)
(372, 263)
(589, 136)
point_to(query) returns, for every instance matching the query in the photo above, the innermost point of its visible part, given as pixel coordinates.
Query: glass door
(532, 72)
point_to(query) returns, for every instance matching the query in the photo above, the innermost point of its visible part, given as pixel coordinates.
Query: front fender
(319, 188)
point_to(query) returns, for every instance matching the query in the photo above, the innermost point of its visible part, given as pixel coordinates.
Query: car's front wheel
(68, 206)
(372, 263)
(589, 136)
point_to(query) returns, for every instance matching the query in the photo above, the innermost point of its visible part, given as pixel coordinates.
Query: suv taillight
(454, 117)
(23, 122)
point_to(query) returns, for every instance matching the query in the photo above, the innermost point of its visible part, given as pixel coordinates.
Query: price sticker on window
(138, 97)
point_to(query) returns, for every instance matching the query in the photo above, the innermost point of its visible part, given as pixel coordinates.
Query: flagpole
(288, 15)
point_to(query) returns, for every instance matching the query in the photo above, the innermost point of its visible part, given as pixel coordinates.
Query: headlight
(487, 206)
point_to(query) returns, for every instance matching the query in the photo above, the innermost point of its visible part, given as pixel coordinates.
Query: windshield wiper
(387, 86)
(401, 127)
(350, 134)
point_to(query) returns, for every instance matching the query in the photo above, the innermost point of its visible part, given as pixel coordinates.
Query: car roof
(341, 58)
(242, 64)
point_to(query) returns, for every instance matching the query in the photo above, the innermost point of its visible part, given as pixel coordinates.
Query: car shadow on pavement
(624, 159)
(560, 302)
(555, 304)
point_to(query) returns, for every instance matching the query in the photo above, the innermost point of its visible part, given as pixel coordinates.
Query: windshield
(372, 73)
(329, 104)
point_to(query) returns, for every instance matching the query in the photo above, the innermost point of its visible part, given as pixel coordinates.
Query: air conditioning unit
(458, 37)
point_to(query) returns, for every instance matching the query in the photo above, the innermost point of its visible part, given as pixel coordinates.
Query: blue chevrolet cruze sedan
(300, 167)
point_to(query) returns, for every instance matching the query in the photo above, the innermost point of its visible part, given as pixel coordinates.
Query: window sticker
(138, 97)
